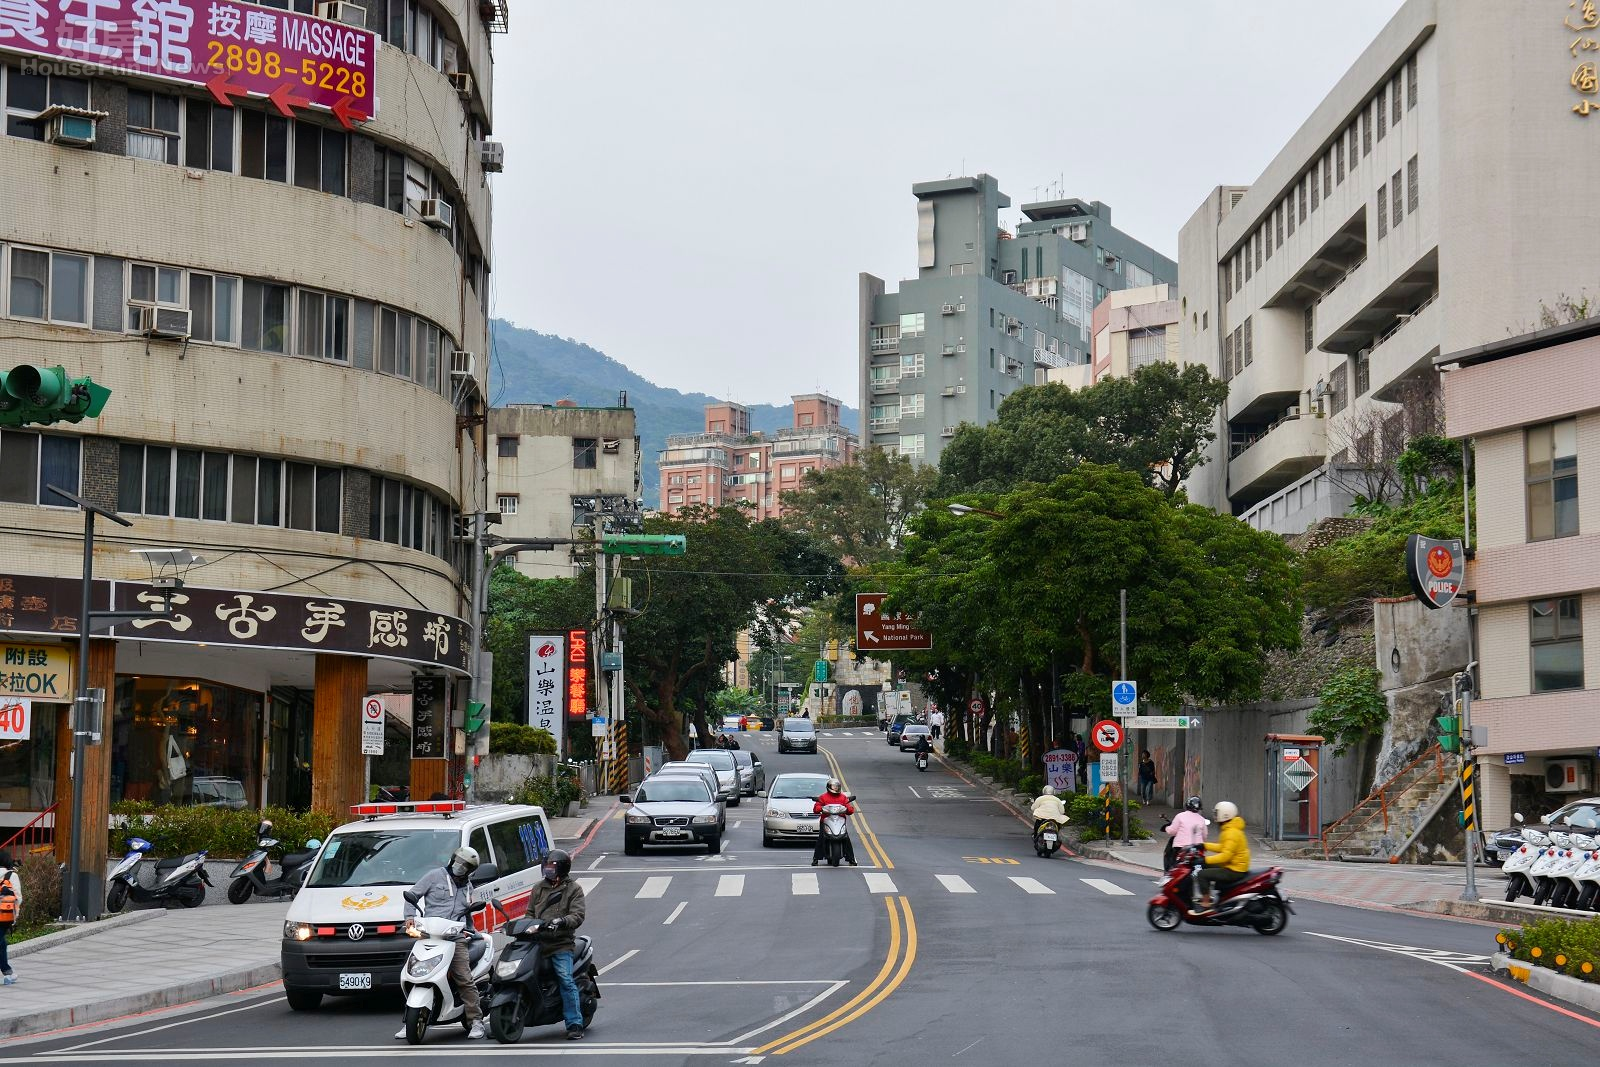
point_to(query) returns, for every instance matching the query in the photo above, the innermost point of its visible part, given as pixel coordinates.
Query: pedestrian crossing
(812, 883)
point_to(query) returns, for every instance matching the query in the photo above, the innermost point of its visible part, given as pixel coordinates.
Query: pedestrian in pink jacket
(1188, 829)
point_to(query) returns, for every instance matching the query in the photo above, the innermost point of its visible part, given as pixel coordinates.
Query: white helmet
(1227, 811)
(1048, 791)
(463, 861)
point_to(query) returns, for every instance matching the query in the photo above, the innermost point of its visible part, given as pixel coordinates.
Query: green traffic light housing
(477, 711)
(1449, 733)
(45, 395)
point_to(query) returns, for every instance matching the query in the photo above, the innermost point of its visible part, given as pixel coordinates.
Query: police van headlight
(297, 931)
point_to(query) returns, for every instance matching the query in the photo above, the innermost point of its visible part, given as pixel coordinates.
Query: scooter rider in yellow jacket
(1228, 857)
(1047, 807)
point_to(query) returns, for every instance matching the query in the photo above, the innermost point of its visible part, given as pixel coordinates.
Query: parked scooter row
(184, 878)
(1558, 869)
(516, 985)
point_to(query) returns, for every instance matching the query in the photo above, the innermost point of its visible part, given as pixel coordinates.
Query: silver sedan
(789, 803)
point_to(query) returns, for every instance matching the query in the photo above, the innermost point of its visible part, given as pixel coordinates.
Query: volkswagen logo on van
(357, 932)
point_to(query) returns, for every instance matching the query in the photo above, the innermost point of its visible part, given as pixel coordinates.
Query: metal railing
(1387, 795)
(1340, 280)
(1401, 324)
(37, 836)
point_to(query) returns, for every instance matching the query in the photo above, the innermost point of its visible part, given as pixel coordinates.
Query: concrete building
(728, 463)
(1431, 202)
(988, 312)
(291, 314)
(555, 468)
(1129, 329)
(1530, 405)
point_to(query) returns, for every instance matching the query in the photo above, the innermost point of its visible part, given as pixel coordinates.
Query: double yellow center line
(896, 965)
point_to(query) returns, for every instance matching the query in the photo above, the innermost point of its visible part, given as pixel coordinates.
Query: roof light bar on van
(446, 808)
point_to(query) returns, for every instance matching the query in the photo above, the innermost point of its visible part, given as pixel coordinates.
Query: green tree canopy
(1155, 423)
(519, 606)
(862, 507)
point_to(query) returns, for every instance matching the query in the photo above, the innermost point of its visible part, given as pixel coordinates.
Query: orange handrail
(1384, 797)
(38, 826)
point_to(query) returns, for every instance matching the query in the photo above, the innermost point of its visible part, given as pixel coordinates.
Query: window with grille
(1289, 209)
(1338, 397)
(1366, 131)
(1363, 373)
(1394, 97)
(1394, 200)
(1383, 110)
(1411, 185)
(1277, 227)
(1249, 346)
(1338, 162)
(1303, 182)
(1310, 335)
(1146, 347)
(1316, 192)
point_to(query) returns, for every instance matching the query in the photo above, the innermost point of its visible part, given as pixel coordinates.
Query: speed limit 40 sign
(1106, 735)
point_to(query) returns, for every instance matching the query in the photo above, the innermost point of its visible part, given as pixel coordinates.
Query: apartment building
(556, 470)
(291, 314)
(1530, 405)
(1437, 195)
(727, 463)
(1129, 329)
(989, 311)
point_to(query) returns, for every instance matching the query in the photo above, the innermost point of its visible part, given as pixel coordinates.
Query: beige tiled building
(1530, 405)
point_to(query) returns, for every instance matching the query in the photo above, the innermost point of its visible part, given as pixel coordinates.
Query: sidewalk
(154, 958)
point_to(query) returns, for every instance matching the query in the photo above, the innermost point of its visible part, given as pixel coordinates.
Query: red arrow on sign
(224, 90)
(285, 101)
(345, 111)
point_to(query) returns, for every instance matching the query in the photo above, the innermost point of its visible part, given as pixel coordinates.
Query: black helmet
(557, 865)
(1194, 805)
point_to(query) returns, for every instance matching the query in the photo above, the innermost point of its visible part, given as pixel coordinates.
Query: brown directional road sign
(880, 632)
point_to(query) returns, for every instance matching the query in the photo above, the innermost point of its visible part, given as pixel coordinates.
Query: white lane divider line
(1110, 889)
(878, 882)
(1033, 885)
(955, 883)
(597, 861)
(730, 885)
(914, 791)
(588, 885)
(619, 960)
(804, 885)
(654, 888)
(670, 919)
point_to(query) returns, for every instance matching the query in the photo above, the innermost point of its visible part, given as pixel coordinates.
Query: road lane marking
(955, 883)
(624, 958)
(167, 1026)
(877, 882)
(804, 885)
(653, 889)
(869, 840)
(730, 885)
(780, 1020)
(588, 885)
(675, 913)
(1033, 885)
(1110, 889)
(914, 791)
(597, 862)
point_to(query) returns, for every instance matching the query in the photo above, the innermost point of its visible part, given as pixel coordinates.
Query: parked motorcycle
(1517, 864)
(1253, 901)
(525, 991)
(1539, 873)
(834, 832)
(180, 878)
(1561, 883)
(257, 876)
(1588, 879)
(1046, 837)
(425, 978)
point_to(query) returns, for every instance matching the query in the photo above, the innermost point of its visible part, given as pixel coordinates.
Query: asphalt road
(951, 942)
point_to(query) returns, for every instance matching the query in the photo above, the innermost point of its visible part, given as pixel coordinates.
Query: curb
(1492, 910)
(134, 1003)
(1585, 995)
(79, 932)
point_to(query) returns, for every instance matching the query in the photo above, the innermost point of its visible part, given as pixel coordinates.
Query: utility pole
(1127, 735)
(1462, 684)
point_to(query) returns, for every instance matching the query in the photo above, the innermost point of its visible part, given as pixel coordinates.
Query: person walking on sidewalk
(1188, 830)
(936, 723)
(1147, 776)
(10, 911)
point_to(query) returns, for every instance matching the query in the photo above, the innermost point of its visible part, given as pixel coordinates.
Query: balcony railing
(885, 385)
(884, 423)
(1401, 323)
(1340, 280)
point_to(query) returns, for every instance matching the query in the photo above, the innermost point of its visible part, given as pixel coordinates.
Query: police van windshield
(382, 857)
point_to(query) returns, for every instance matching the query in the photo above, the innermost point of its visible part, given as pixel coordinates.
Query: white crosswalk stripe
(588, 885)
(1032, 885)
(878, 882)
(730, 885)
(653, 888)
(803, 885)
(955, 883)
(1110, 889)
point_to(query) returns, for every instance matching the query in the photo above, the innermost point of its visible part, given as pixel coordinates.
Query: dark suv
(899, 724)
(797, 735)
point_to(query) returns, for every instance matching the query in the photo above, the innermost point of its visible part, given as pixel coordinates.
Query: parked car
(788, 815)
(900, 723)
(672, 810)
(706, 774)
(1576, 815)
(752, 774)
(797, 735)
(211, 791)
(721, 761)
(909, 734)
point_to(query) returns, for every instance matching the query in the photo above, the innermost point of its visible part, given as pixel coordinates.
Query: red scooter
(1253, 902)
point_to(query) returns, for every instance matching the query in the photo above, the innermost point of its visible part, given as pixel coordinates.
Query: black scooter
(525, 992)
(257, 876)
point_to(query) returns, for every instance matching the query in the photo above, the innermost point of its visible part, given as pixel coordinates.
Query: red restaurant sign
(577, 674)
(233, 49)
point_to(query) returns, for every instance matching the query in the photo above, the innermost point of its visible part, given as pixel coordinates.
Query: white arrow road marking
(1456, 961)
(1033, 885)
(730, 885)
(653, 888)
(804, 885)
(955, 883)
(597, 862)
(878, 882)
(1110, 889)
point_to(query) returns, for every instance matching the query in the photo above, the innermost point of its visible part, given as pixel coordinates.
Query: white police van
(345, 932)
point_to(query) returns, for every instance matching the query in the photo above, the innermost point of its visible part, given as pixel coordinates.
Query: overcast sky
(692, 186)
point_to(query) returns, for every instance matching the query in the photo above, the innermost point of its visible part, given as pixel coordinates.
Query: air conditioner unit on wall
(1567, 775)
(492, 155)
(462, 364)
(343, 11)
(437, 213)
(463, 84)
(152, 321)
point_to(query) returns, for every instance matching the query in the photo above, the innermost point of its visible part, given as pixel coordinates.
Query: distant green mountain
(538, 368)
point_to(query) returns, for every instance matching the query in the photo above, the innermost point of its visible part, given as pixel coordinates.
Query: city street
(952, 941)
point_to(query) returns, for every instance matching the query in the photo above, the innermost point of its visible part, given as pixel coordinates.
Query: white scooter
(1516, 865)
(1539, 873)
(1588, 879)
(425, 978)
(1564, 876)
